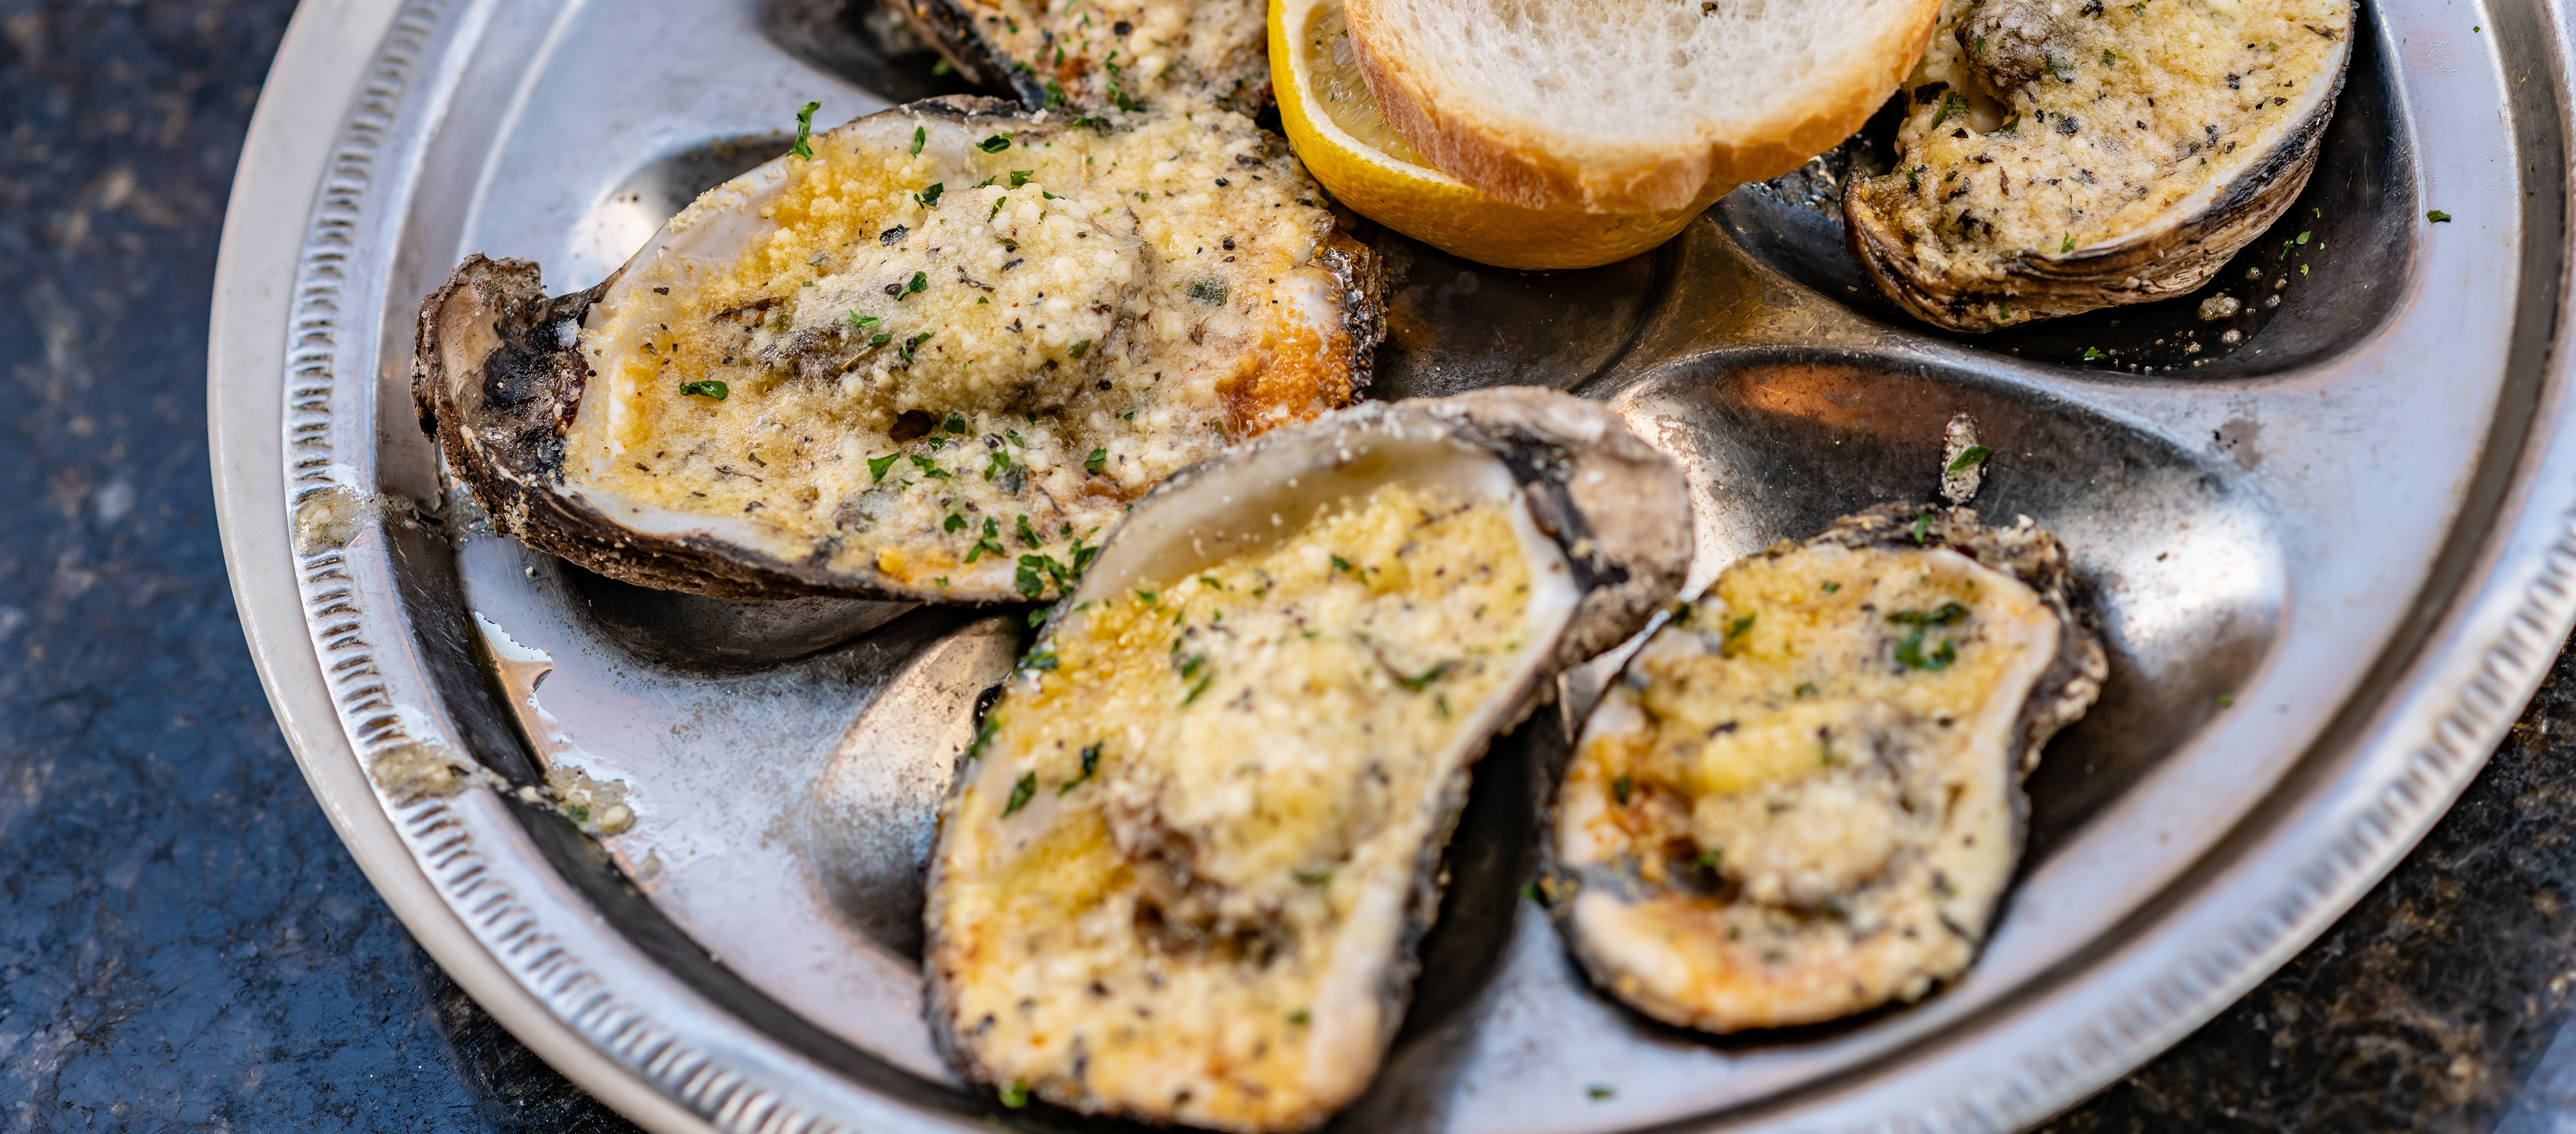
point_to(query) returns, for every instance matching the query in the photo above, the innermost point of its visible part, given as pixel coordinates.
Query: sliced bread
(1630, 105)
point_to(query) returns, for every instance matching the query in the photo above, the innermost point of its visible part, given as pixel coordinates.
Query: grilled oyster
(934, 362)
(1804, 799)
(1123, 55)
(2064, 155)
(1186, 863)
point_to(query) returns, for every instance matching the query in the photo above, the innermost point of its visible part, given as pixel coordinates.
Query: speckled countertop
(185, 946)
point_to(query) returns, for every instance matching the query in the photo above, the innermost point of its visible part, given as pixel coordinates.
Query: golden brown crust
(1535, 169)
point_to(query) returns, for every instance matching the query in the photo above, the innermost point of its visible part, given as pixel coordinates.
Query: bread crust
(1533, 165)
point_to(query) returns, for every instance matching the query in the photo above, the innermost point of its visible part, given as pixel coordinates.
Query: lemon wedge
(1337, 130)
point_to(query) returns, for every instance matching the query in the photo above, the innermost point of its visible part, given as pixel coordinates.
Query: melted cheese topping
(1795, 806)
(1130, 56)
(1179, 871)
(2113, 113)
(934, 359)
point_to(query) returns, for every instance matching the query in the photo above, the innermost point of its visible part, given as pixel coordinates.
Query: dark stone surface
(185, 946)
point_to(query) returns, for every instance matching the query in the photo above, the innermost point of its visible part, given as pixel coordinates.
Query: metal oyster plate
(2332, 560)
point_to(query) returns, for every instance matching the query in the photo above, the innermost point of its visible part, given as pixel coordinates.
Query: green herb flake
(1210, 292)
(2437, 216)
(1621, 787)
(919, 135)
(1020, 177)
(1707, 860)
(929, 198)
(956, 523)
(2225, 701)
(1093, 463)
(804, 147)
(1016, 1095)
(1027, 535)
(1923, 528)
(1018, 794)
(920, 283)
(2091, 353)
(954, 423)
(1090, 764)
(705, 388)
(877, 466)
(1970, 457)
(1599, 1091)
(1952, 104)
(1299, 1017)
(1312, 877)
(928, 467)
(1423, 680)
(2109, 59)
(995, 144)
(863, 322)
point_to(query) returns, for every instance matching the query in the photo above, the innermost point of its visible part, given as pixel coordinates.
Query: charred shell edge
(949, 26)
(2060, 696)
(508, 445)
(1628, 562)
(2161, 261)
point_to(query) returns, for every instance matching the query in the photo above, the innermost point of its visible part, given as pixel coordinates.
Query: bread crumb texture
(1134, 56)
(952, 357)
(1176, 880)
(1803, 786)
(2045, 127)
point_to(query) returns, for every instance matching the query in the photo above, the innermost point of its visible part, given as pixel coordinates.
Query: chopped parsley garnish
(1027, 534)
(995, 144)
(1079, 349)
(863, 322)
(704, 388)
(1970, 457)
(1599, 1091)
(1341, 564)
(1947, 614)
(1299, 1017)
(1090, 764)
(1020, 177)
(1199, 688)
(2437, 216)
(1016, 1095)
(804, 146)
(2011, 125)
(1209, 292)
(954, 423)
(929, 198)
(1619, 789)
(879, 339)
(1054, 93)
(1923, 527)
(920, 283)
(1093, 463)
(928, 467)
(2091, 353)
(1146, 597)
(1042, 660)
(918, 136)
(914, 343)
(2068, 246)
(1423, 680)
(956, 523)
(1735, 628)
(1707, 860)
(1952, 103)
(2108, 58)
(997, 463)
(877, 466)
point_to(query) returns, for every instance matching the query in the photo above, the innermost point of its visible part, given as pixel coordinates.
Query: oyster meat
(2064, 155)
(1803, 798)
(933, 361)
(1186, 862)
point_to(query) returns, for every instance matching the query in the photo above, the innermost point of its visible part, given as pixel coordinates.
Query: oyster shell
(1185, 865)
(934, 362)
(2065, 155)
(1803, 799)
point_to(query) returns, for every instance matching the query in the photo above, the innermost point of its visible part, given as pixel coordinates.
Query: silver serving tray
(2332, 561)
